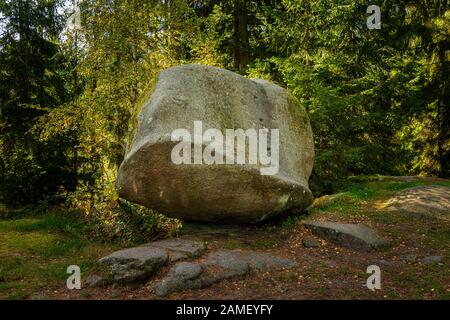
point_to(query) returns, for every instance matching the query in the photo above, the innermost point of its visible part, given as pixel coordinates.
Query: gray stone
(180, 249)
(354, 236)
(96, 281)
(188, 270)
(219, 266)
(228, 193)
(229, 263)
(309, 242)
(265, 262)
(135, 264)
(433, 259)
(409, 258)
(181, 277)
(421, 202)
(241, 261)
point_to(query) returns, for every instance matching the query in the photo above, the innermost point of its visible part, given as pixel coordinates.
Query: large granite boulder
(228, 193)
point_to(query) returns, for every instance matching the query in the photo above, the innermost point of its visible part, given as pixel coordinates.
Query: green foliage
(32, 83)
(129, 223)
(36, 251)
(366, 91)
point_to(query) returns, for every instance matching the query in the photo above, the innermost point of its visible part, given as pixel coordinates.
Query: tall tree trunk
(443, 113)
(241, 36)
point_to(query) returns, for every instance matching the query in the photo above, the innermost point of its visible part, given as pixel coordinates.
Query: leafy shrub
(126, 222)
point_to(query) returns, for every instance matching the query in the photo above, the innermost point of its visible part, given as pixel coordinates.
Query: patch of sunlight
(20, 242)
(18, 224)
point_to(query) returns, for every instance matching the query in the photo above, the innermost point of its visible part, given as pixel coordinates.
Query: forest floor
(35, 253)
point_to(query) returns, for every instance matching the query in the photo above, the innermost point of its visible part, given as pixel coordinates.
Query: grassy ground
(35, 253)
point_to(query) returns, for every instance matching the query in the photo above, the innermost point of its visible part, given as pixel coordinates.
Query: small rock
(219, 265)
(309, 242)
(231, 264)
(354, 236)
(135, 264)
(96, 281)
(181, 277)
(384, 262)
(409, 258)
(266, 262)
(188, 270)
(433, 259)
(180, 249)
(242, 261)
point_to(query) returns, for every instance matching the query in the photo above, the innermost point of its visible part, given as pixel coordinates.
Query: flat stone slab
(219, 265)
(135, 264)
(265, 262)
(180, 249)
(433, 260)
(192, 276)
(411, 258)
(230, 262)
(241, 262)
(183, 276)
(421, 201)
(140, 263)
(354, 236)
